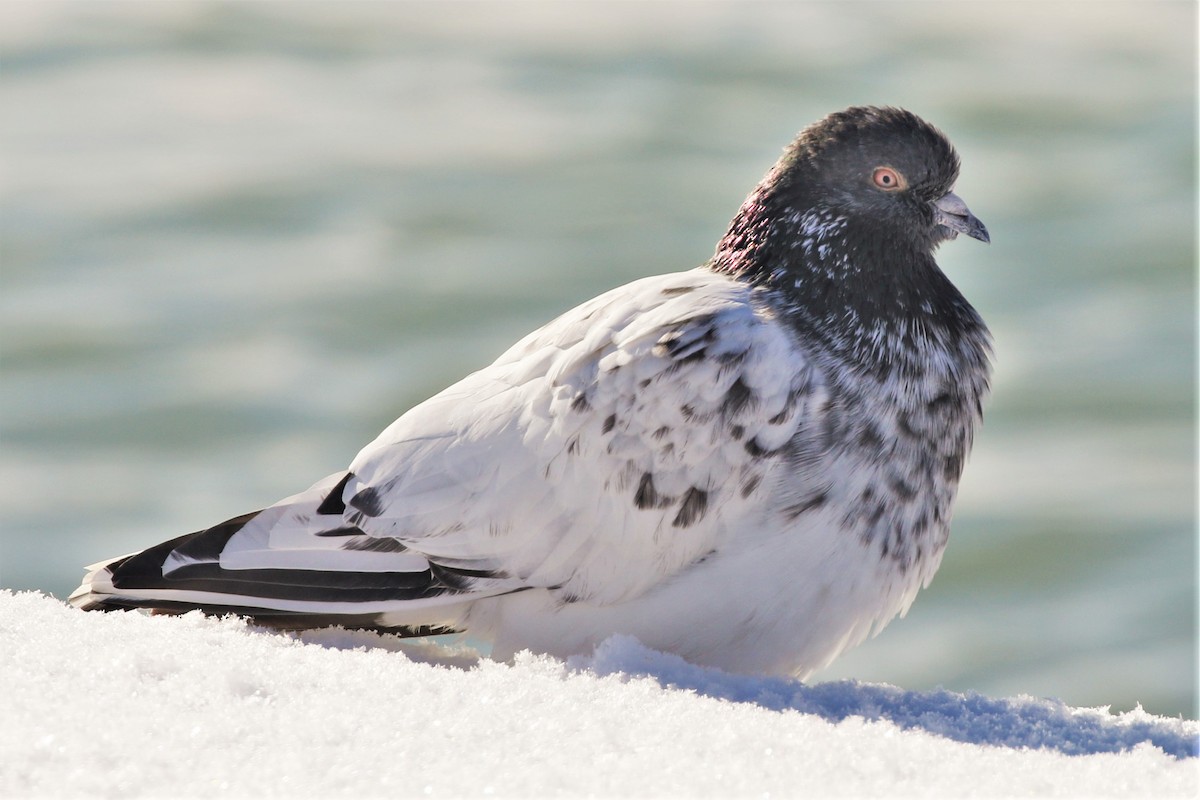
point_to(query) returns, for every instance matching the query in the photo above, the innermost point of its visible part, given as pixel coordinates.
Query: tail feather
(293, 565)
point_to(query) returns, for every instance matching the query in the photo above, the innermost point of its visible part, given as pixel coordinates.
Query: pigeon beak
(951, 212)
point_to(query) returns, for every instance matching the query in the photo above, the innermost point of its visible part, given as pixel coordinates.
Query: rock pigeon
(750, 464)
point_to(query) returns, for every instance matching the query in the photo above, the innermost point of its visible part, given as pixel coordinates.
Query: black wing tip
(197, 581)
(333, 502)
(265, 618)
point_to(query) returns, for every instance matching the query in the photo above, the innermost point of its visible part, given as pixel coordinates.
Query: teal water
(238, 239)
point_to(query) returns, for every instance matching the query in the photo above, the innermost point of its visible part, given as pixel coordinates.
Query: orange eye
(888, 179)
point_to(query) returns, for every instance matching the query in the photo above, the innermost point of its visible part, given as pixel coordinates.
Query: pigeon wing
(601, 454)
(598, 457)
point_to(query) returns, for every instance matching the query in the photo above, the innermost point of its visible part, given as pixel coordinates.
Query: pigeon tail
(291, 566)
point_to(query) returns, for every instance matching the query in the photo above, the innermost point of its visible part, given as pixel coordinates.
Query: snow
(128, 705)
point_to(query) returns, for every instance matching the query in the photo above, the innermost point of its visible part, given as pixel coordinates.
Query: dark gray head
(844, 225)
(885, 171)
(886, 165)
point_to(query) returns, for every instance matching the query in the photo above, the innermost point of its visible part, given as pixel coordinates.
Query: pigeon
(750, 464)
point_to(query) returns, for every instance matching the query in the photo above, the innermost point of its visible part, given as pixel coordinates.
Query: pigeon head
(883, 174)
(885, 166)
(844, 226)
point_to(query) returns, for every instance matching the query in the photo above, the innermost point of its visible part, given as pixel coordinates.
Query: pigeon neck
(853, 290)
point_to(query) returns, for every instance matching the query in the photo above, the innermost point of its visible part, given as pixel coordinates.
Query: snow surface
(128, 705)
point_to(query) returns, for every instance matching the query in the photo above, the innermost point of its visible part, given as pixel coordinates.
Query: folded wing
(598, 457)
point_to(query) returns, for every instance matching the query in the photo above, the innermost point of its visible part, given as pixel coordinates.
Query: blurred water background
(239, 239)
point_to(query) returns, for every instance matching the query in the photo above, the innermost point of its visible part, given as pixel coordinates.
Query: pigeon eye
(888, 179)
